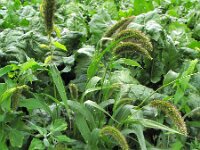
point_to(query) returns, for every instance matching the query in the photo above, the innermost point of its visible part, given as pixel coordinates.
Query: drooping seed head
(116, 134)
(172, 112)
(135, 36)
(120, 25)
(129, 49)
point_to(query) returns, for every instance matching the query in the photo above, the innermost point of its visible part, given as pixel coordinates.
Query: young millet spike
(73, 90)
(128, 49)
(135, 36)
(116, 134)
(172, 112)
(122, 24)
(48, 13)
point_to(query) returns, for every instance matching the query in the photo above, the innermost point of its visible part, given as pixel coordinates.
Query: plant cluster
(93, 75)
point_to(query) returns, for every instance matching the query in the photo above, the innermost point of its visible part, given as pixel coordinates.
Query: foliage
(71, 76)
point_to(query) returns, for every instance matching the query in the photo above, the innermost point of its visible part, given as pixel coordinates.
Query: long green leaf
(83, 127)
(59, 85)
(155, 125)
(97, 89)
(128, 62)
(95, 105)
(80, 108)
(138, 131)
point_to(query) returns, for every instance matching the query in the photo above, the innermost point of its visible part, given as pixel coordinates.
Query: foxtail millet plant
(116, 134)
(125, 25)
(15, 99)
(48, 10)
(73, 91)
(172, 112)
(119, 26)
(135, 36)
(128, 49)
(129, 41)
(15, 94)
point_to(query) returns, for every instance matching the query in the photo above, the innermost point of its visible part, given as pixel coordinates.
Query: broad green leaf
(44, 105)
(58, 125)
(59, 45)
(178, 145)
(16, 138)
(30, 103)
(142, 6)
(36, 144)
(5, 70)
(46, 142)
(99, 23)
(35, 103)
(28, 65)
(195, 45)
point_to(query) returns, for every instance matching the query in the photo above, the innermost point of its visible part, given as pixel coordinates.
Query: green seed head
(48, 13)
(116, 134)
(120, 25)
(135, 36)
(172, 112)
(128, 49)
(73, 91)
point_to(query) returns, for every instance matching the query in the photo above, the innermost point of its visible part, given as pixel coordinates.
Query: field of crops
(99, 74)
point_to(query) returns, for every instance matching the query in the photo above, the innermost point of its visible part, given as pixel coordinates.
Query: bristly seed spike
(172, 112)
(48, 13)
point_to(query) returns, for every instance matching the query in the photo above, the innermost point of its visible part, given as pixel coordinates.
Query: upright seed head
(48, 13)
(73, 90)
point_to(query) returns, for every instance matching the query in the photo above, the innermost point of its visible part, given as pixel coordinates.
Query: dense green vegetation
(99, 75)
